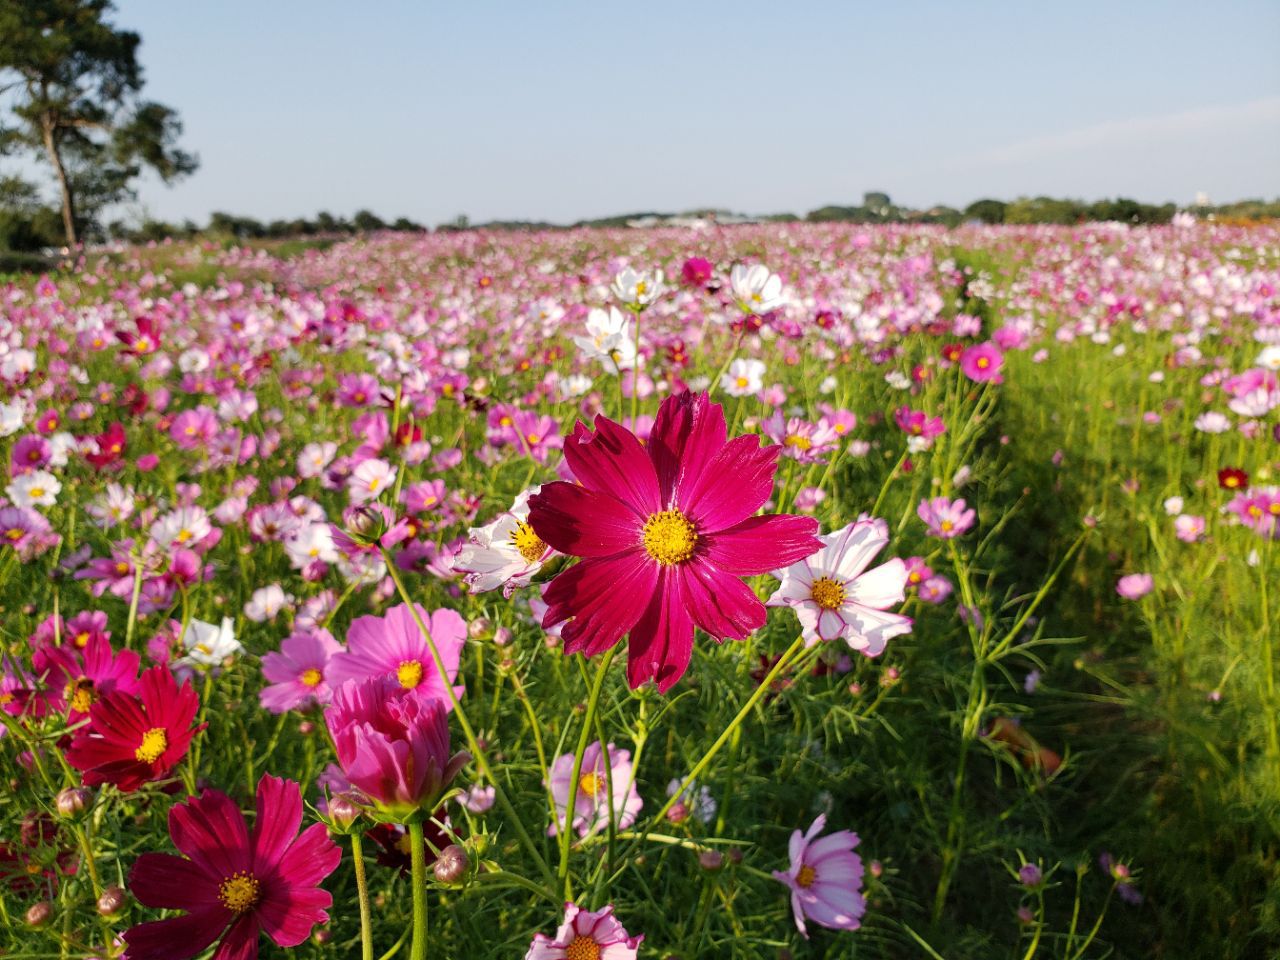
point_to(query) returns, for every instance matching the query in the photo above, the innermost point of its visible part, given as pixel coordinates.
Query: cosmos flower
(393, 647)
(637, 289)
(39, 488)
(505, 553)
(946, 518)
(77, 677)
(370, 480)
(393, 745)
(825, 878)
(132, 739)
(234, 884)
(834, 594)
(665, 539)
(755, 289)
(982, 362)
(591, 806)
(209, 645)
(586, 936)
(610, 339)
(743, 378)
(1135, 586)
(297, 672)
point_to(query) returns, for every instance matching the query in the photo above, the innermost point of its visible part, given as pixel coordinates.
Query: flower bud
(678, 813)
(451, 865)
(343, 813)
(711, 860)
(73, 801)
(112, 901)
(478, 628)
(1029, 874)
(38, 914)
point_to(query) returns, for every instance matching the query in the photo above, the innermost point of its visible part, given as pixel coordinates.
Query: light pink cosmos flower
(1135, 586)
(946, 518)
(586, 936)
(591, 807)
(825, 878)
(393, 647)
(1188, 528)
(297, 671)
(369, 480)
(834, 595)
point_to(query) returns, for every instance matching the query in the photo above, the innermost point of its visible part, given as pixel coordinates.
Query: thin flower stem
(584, 737)
(472, 743)
(418, 859)
(760, 691)
(362, 892)
(133, 603)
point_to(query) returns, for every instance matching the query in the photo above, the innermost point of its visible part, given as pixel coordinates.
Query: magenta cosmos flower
(946, 518)
(393, 745)
(236, 883)
(825, 878)
(835, 595)
(297, 671)
(982, 363)
(392, 646)
(666, 534)
(585, 935)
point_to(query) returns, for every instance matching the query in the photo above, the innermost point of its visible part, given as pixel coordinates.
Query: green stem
(584, 737)
(417, 854)
(362, 891)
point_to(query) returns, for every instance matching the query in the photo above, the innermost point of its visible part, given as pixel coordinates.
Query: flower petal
(176, 939)
(211, 831)
(760, 544)
(731, 486)
(687, 433)
(166, 882)
(604, 596)
(582, 522)
(612, 461)
(881, 588)
(276, 826)
(720, 604)
(661, 641)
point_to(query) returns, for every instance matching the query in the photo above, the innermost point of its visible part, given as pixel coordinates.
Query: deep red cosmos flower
(131, 740)
(236, 883)
(111, 446)
(1232, 478)
(666, 535)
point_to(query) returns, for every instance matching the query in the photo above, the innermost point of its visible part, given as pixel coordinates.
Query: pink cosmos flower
(917, 423)
(935, 589)
(393, 647)
(586, 936)
(666, 533)
(1188, 528)
(982, 362)
(297, 671)
(77, 680)
(1135, 586)
(834, 595)
(193, 429)
(946, 518)
(235, 883)
(825, 878)
(591, 806)
(393, 746)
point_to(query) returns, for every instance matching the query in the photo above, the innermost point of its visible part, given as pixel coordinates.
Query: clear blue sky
(565, 110)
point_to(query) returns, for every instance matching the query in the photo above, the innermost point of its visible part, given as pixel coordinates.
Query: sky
(583, 108)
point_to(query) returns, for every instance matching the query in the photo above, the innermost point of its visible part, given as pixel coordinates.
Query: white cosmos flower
(115, 505)
(39, 488)
(11, 417)
(208, 644)
(1255, 403)
(266, 602)
(610, 339)
(315, 457)
(312, 544)
(756, 289)
(370, 480)
(1213, 422)
(638, 288)
(834, 594)
(193, 361)
(743, 377)
(184, 526)
(506, 553)
(1269, 358)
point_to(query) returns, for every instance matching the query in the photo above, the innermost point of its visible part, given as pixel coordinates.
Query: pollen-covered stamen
(311, 678)
(669, 537)
(80, 695)
(154, 743)
(582, 948)
(239, 892)
(827, 593)
(409, 673)
(798, 441)
(806, 876)
(589, 784)
(528, 543)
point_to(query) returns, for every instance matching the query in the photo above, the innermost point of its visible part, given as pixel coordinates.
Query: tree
(988, 211)
(76, 85)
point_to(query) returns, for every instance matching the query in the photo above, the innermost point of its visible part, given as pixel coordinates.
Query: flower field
(783, 590)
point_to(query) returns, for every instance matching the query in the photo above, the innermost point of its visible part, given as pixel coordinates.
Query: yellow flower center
(183, 536)
(142, 344)
(14, 534)
(669, 537)
(827, 593)
(239, 892)
(641, 287)
(806, 876)
(409, 673)
(946, 526)
(582, 948)
(589, 784)
(798, 442)
(80, 695)
(312, 677)
(983, 363)
(154, 743)
(121, 567)
(742, 383)
(527, 542)
(36, 492)
(532, 439)
(374, 483)
(81, 639)
(1255, 510)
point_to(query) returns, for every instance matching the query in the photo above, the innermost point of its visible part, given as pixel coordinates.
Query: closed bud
(321, 936)
(38, 914)
(451, 865)
(711, 860)
(73, 801)
(342, 812)
(678, 813)
(478, 628)
(112, 901)
(306, 728)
